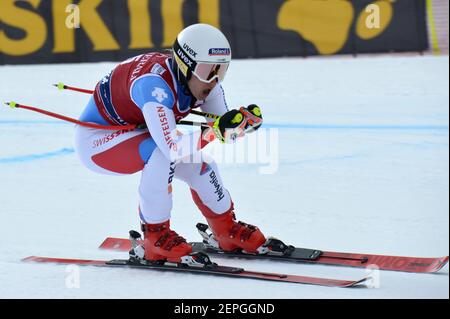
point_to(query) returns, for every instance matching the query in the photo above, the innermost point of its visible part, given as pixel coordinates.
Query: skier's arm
(232, 123)
(156, 100)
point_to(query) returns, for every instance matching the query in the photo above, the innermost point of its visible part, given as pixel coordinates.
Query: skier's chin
(204, 94)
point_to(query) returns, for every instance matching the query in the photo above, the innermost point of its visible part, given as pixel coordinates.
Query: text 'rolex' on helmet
(202, 50)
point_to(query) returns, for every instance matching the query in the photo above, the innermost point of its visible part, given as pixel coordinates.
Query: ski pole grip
(12, 104)
(61, 86)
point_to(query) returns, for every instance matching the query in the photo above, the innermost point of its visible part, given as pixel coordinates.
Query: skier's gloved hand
(253, 116)
(230, 126)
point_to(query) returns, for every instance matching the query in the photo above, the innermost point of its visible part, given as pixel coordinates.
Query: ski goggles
(208, 72)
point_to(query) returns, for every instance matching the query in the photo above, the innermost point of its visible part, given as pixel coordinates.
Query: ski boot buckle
(198, 259)
(137, 251)
(208, 237)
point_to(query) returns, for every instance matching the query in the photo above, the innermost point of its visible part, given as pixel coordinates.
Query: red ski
(383, 262)
(212, 270)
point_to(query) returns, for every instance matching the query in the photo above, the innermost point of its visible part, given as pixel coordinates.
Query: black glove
(253, 116)
(230, 126)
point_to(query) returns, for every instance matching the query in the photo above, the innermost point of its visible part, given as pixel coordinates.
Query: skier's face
(200, 89)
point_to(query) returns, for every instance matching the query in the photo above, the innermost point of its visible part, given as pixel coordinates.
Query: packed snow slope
(359, 162)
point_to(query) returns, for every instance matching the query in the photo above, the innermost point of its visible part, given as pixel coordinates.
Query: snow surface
(363, 150)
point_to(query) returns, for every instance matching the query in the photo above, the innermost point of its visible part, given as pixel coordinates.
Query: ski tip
(66, 261)
(339, 283)
(434, 266)
(363, 282)
(118, 244)
(28, 259)
(441, 264)
(38, 259)
(103, 245)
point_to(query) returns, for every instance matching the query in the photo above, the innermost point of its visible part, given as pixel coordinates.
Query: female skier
(156, 91)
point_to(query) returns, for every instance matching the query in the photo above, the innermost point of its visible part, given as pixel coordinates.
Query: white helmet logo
(185, 58)
(160, 94)
(190, 50)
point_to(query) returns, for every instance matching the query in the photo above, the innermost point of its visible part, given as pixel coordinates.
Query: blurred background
(55, 31)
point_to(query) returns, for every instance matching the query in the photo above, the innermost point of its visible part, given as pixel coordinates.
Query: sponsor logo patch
(165, 126)
(219, 51)
(157, 69)
(108, 138)
(159, 94)
(143, 59)
(185, 58)
(218, 188)
(171, 172)
(181, 64)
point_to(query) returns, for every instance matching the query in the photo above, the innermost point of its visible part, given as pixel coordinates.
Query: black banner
(57, 31)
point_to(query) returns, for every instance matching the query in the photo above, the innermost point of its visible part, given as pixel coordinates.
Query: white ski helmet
(202, 50)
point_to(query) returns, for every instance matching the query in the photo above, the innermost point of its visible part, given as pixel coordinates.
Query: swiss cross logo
(159, 94)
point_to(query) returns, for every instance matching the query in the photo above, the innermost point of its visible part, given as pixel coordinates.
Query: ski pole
(61, 86)
(15, 105)
(131, 127)
(191, 123)
(207, 115)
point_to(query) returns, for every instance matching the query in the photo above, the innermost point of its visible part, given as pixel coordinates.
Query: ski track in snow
(363, 167)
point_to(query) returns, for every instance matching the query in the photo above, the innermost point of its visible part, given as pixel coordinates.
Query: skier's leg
(204, 179)
(215, 203)
(155, 190)
(127, 152)
(112, 152)
(155, 205)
